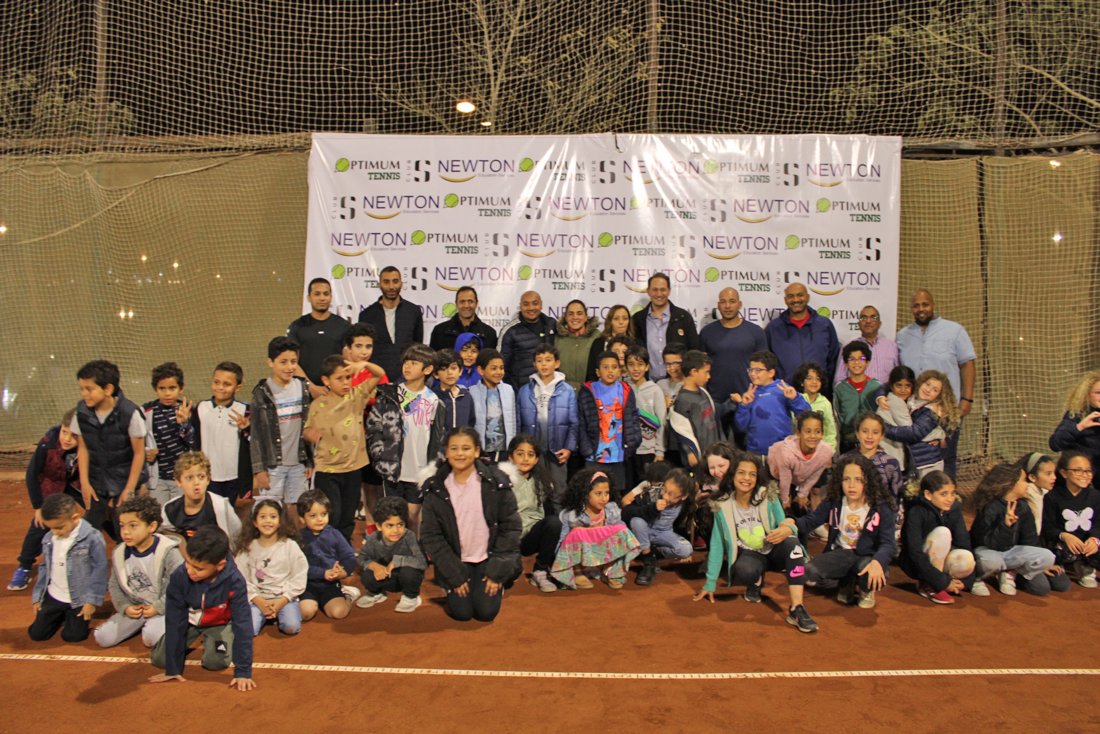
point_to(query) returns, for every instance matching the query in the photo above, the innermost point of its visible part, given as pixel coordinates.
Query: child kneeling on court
(73, 577)
(747, 533)
(660, 518)
(470, 528)
(859, 513)
(1006, 543)
(593, 537)
(142, 564)
(391, 558)
(207, 597)
(330, 557)
(936, 545)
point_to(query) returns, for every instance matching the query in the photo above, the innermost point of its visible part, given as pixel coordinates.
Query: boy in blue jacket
(454, 398)
(207, 596)
(72, 580)
(548, 410)
(765, 410)
(331, 559)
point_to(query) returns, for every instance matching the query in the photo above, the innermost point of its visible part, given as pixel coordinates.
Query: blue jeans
(287, 484)
(288, 619)
(1026, 560)
(666, 542)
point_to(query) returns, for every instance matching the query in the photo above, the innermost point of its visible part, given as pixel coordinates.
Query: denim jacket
(86, 567)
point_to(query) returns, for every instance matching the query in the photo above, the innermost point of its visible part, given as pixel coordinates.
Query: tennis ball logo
(343, 165)
(635, 203)
(449, 310)
(450, 201)
(711, 275)
(525, 272)
(710, 166)
(339, 271)
(824, 311)
(418, 237)
(792, 242)
(526, 165)
(823, 205)
(606, 239)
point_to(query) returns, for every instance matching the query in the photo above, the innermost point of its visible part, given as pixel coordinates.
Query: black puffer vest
(109, 451)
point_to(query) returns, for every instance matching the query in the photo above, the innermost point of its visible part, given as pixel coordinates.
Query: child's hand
(261, 480)
(703, 594)
(37, 606)
(164, 678)
(332, 574)
(340, 572)
(1092, 420)
(748, 396)
(803, 502)
(135, 611)
(955, 587)
(88, 610)
(780, 534)
(150, 455)
(278, 604)
(1091, 546)
(241, 684)
(788, 392)
(463, 590)
(183, 411)
(313, 435)
(668, 401)
(492, 588)
(88, 494)
(381, 573)
(661, 505)
(883, 403)
(1010, 514)
(1073, 543)
(38, 521)
(242, 421)
(1055, 571)
(148, 611)
(735, 397)
(876, 577)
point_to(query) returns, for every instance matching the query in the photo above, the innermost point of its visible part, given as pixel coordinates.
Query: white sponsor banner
(592, 217)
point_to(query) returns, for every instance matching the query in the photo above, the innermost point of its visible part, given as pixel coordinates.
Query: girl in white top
(274, 567)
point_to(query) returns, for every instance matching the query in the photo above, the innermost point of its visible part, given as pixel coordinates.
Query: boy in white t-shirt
(221, 432)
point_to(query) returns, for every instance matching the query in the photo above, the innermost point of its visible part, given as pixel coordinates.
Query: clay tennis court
(637, 659)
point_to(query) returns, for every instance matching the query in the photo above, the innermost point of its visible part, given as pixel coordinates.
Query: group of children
(474, 477)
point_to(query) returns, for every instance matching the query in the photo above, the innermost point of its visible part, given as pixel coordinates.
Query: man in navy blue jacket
(800, 335)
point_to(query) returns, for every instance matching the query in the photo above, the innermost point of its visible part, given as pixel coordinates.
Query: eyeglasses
(857, 359)
(1080, 472)
(673, 364)
(868, 318)
(755, 370)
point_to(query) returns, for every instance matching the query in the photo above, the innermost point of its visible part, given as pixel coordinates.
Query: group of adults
(798, 335)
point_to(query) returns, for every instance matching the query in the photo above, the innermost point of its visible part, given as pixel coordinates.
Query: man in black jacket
(465, 320)
(397, 323)
(661, 323)
(522, 335)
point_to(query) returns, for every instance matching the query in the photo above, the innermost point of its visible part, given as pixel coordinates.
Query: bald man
(729, 341)
(934, 343)
(522, 335)
(800, 335)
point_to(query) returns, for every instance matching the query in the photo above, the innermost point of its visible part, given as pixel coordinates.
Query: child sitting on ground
(207, 598)
(1041, 476)
(141, 566)
(197, 507)
(331, 559)
(594, 538)
(72, 579)
(274, 568)
(661, 520)
(1071, 519)
(936, 545)
(797, 462)
(391, 558)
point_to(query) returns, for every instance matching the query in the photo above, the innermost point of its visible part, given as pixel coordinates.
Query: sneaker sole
(369, 604)
(399, 610)
(546, 590)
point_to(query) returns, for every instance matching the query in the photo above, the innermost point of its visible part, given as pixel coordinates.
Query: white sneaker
(369, 600)
(979, 588)
(821, 532)
(541, 581)
(1088, 579)
(408, 604)
(866, 599)
(351, 593)
(1006, 582)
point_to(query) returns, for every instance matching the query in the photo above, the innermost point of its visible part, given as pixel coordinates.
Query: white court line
(465, 673)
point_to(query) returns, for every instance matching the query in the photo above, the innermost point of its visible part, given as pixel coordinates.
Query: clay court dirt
(636, 659)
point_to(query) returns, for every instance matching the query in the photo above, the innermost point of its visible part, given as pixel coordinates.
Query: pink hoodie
(789, 467)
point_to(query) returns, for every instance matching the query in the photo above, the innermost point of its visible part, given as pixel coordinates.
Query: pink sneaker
(939, 597)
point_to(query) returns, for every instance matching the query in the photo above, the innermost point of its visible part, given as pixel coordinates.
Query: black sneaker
(752, 594)
(800, 618)
(648, 571)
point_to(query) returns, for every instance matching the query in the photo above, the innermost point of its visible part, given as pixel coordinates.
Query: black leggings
(342, 490)
(542, 539)
(841, 564)
(787, 556)
(476, 604)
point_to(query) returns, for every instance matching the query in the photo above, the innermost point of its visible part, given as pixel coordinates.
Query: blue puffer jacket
(588, 434)
(816, 341)
(561, 419)
(924, 422)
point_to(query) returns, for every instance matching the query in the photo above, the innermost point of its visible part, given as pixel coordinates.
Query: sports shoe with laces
(800, 618)
(407, 604)
(939, 597)
(1088, 579)
(752, 594)
(369, 600)
(866, 599)
(1006, 582)
(541, 581)
(351, 593)
(20, 580)
(980, 588)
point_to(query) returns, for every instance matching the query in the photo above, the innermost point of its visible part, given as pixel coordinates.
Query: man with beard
(729, 341)
(397, 323)
(319, 332)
